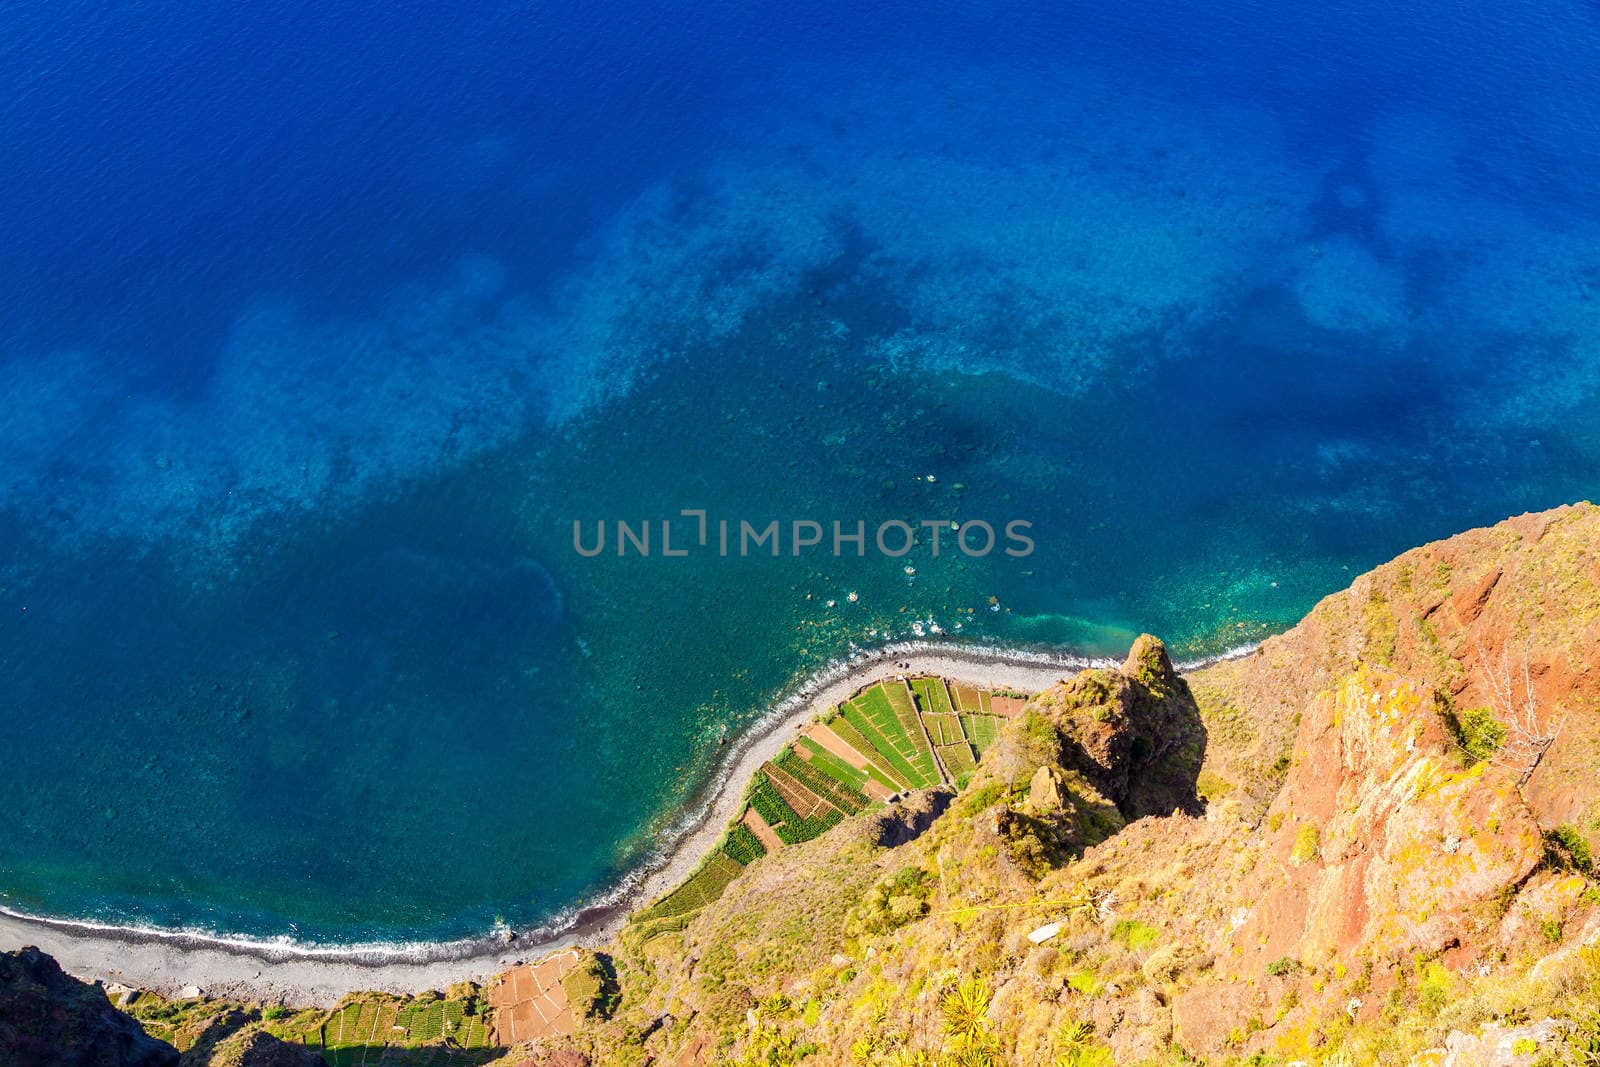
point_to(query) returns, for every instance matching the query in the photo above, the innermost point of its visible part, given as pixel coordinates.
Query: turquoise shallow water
(293, 637)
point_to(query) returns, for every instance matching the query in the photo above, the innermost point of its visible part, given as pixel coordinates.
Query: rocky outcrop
(1504, 619)
(48, 1019)
(252, 1047)
(1104, 747)
(1365, 842)
(908, 820)
(1134, 734)
(1443, 729)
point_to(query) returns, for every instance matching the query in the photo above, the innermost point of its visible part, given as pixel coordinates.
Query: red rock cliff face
(1386, 842)
(1505, 618)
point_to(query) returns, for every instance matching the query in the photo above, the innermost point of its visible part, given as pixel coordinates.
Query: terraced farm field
(880, 742)
(944, 729)
(958, 759)
(675, 909)
(887, 718)
(831, 765)
(932, 697)
(968, 699)
(981, 730)
(880, 763)
(370, 1028)
(846, 798)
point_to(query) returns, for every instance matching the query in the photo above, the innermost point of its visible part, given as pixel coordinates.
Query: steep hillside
(47, 1017)
(1369, 838)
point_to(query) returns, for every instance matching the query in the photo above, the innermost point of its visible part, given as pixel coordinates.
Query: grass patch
(1134, 935)
(981, 730)
(1307, 844)
(853, 737)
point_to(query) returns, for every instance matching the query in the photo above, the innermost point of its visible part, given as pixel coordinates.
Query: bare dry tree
(1517, 706)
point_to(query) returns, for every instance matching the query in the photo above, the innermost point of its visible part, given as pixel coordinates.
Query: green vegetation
(858, 741)
(773, 809)
(892, 903)
(1076, 1047)
(890, 708)
(839, 770)
(843, 797)
(1381, 630)
(965, 1012)
(1478, 733)
(883, 724)
(434, 1020)
(704, 886)
(944, 729)
(1134, 935)
(979, 799)
(1566, 847)
(981, 730)
(1307, 844)
(871, 729)
(444, 1031)
(1086, 982)
(742, 845)
(958, 758)
(1212, 787)
(932, 696)
(591, 988)
(790, 827)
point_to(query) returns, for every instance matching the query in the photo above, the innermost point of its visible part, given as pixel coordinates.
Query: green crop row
(893, 709)
(742, 845)
(841, 796)
(982, 730)
(772, 808)
(872, 732)
(958, 759)
(703, 887)
(931, 694)
(845, 773)
(793, 833)
(945, 729)
(856, 740)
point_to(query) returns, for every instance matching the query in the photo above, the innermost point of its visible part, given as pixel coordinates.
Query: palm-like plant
(968, 1040)
(1076, 1047)
(966, 1012)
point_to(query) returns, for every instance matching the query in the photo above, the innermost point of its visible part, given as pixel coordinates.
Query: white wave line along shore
(287, 971)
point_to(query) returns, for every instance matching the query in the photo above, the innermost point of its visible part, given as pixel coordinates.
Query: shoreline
(308, 975)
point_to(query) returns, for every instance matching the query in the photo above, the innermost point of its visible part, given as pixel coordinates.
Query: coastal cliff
(47, 1017)
(1370, 840)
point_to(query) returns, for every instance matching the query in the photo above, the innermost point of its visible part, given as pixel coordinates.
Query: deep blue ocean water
(320, 326)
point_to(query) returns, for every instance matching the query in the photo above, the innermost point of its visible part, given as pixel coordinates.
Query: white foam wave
(796, 698)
